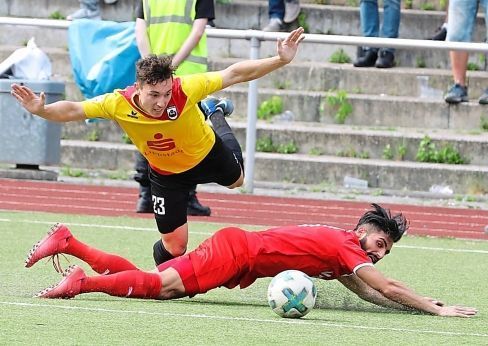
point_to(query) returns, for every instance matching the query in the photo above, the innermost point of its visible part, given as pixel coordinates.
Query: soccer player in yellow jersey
(160, 114)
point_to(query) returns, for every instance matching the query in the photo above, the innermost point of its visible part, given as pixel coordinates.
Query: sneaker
(275, 24)
(212, 104)
(194, 207)
(366, 58)
(84, 13)
(68, 287)
(440, 34)
(55, 242)
(483, 100)
(292, 10)
(457, 94)
(386, 59)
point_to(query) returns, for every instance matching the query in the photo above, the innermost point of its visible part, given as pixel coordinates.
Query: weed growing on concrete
(72, 172)
(472, 66)
(388, 152)
(484, 123)
(270, 107)
(265, 145)
(427, 6)
(420, 62)
(339, 102)
(302, 21)
(93, 135)
(56, 15)
(340, 57)
(428, 152)
(316, 151)
(126, 139)
(287, 148)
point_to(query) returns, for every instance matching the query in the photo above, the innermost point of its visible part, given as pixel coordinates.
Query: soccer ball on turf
(292, 294)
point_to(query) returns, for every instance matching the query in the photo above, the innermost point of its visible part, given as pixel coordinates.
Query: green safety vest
(169, 23)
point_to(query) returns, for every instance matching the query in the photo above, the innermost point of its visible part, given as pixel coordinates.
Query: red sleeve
(352, 256)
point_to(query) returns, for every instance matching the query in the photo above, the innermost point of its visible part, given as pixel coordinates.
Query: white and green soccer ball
(292, 294)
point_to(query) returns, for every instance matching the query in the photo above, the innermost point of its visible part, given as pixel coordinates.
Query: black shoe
(366, 59)
(457, 94)
(386, 59)
(194, 207)
(440, 34)
(144, 203)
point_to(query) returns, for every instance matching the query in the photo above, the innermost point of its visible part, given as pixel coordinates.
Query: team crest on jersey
(172, 112)
(132, 114)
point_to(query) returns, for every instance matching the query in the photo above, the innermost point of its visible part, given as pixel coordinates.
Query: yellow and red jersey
(180, 138)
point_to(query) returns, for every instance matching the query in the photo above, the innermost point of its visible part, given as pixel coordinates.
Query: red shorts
(221, 260)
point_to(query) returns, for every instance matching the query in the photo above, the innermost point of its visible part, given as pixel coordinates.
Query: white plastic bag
(28, 63)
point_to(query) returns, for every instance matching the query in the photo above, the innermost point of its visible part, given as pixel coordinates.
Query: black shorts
(170, 192)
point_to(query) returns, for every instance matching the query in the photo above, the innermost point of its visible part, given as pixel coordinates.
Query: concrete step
(369, 110)
(305, 169)
(324, 139)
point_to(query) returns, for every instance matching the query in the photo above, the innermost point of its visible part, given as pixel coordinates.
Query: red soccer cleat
(52, 244)
(68, 287)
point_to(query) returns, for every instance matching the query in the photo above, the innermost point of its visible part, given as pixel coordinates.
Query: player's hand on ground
(28, 99)
(457, 311)
(435, 301)
(287, 48)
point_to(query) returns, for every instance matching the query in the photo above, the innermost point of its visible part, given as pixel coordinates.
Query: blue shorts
(462, 19)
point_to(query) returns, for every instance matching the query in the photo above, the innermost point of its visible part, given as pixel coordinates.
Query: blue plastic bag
(103, 55)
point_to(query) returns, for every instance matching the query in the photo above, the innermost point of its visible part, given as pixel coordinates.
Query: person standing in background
(281, 12)
(177, 28)
(370, 27)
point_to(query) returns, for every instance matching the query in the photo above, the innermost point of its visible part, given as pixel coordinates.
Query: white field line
(145, 229)
(244, 319)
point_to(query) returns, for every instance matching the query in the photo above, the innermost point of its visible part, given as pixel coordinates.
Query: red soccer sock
(100, 261)
(130, 284)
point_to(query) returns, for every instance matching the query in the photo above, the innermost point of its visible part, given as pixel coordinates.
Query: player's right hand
(457, 311)
(28, 99)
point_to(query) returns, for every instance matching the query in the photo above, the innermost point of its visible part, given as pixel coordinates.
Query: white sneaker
(275, 24)
(292, 10)
(110, 1)
(84, 13)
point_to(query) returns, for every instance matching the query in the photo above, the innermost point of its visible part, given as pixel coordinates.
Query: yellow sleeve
(200, 85)
(100, 106)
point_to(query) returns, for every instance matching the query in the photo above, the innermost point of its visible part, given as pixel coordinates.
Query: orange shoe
(55, 242)
(68, 287)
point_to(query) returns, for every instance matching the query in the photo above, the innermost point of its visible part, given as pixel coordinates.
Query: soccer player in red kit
(234, 257)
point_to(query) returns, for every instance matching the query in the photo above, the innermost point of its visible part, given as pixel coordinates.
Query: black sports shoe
(366, 58)
(440, 34)
(483, 100)
(194, 207)
(386, 59)
(457, 94)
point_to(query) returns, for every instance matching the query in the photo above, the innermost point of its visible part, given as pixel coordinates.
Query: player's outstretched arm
(61, 111)
(247, 70)
(399, 293)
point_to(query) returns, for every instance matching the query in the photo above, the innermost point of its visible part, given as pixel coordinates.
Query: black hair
(154, 69)
(395, 226)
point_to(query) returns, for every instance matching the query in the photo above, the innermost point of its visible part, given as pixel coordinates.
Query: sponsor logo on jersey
(133, 114)
(161, 144)
(172, 112)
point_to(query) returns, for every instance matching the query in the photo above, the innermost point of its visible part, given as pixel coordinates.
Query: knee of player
(176, 249)
(238, 183)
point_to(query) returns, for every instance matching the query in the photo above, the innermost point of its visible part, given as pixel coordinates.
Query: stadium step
(306, 169)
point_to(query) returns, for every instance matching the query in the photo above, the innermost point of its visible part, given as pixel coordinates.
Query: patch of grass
(57, 15)
(282, 85)
(484, 123)
(270, 107)
(428, 152)
(387, 152)
(427, 6)
(93, 135)
(126, 139)
(302, 21)
(340, 57)
(473, 66)
(420, 62)
(340, 105)
(408, 4)
(287, 148)
(316, 151)
(118, 175)
(265, 145)
(72, 172)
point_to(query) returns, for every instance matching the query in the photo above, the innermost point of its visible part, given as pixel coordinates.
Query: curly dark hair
(154, 69)
(395, 226)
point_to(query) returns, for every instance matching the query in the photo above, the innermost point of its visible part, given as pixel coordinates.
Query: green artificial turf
(454, 271)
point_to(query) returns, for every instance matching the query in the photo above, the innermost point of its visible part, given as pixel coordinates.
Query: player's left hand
(28, 99)
(287, 48)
